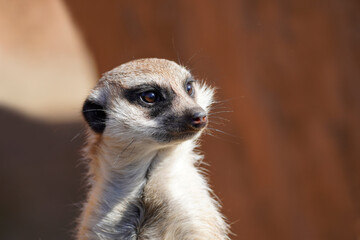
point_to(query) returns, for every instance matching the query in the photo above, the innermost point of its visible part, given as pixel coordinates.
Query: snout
(197, 118)
(183, 126)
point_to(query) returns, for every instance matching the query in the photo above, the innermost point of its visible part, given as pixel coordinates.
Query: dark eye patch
(164, 97)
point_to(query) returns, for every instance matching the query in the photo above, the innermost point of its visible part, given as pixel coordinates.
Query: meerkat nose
(198, 118)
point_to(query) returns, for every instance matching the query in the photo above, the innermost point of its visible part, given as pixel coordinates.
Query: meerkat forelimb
(144, 120)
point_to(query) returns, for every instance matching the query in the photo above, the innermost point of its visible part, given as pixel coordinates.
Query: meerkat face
(148, 100)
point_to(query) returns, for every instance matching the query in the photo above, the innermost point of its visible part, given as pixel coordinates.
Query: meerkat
(144, 119)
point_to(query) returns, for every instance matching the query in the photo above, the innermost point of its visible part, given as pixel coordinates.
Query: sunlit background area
(284, 158)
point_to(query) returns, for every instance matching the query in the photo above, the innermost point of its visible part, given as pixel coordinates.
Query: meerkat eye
(190, 88)
(149, 97)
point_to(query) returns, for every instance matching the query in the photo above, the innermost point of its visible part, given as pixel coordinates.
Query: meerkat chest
(174, 202)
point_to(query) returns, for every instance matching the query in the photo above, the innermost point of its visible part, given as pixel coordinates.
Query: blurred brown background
(289, 71)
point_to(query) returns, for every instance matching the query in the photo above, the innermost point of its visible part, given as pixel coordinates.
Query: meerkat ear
(95, 115)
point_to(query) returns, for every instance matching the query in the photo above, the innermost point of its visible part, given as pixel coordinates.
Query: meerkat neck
(118, 186)
(157, 194)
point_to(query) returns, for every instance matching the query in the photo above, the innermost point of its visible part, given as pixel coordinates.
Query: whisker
(131, 142)
(217, 123)
(212, 113)
(175, 50)
(221, 118)
(220, 138)
(219, 107)
(217, 130)
(218, 103)
(75, 137)
(192, 56)
(78, 134)
(229, 99)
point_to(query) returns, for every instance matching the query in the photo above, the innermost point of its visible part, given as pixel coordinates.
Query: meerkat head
(148, 100)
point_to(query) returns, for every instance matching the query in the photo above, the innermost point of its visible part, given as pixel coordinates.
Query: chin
(175, 137)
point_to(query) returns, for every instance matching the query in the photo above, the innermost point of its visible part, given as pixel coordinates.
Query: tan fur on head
(144, 119)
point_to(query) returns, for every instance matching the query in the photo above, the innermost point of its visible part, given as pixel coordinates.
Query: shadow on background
(40, 177)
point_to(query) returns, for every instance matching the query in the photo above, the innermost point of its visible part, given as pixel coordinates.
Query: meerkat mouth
(177, 136)
(183, 132)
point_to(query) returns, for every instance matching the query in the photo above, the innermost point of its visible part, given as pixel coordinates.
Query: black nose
(198, 118)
